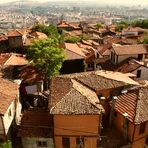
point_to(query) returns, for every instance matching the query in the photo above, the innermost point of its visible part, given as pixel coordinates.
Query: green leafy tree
(7, 144)
(46, 57)
(98, 25)
(85, 36)
(72, 39)
(50, 30)
(144, 41)
(121, 25)
(140, 23)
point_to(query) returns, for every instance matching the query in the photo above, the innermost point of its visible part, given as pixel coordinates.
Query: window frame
(78, 140)
(66, 142)
(41, 143)
(142, 128)
(138, 73)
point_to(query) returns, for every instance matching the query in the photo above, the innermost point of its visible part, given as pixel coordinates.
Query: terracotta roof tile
(29, 75)
(79, 100)
(8, 93)
(4, 58)
(35, 123)
(127, 66)
(12, 59)
(131, 29)
(134, 103)
(104, 49)
(74, 48)
(130, 49)
(3, 38)
(39, 35)
(13, 33)
(68, 90)
(72, 55)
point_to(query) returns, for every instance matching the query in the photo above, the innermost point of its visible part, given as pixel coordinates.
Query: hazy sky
(118, 2)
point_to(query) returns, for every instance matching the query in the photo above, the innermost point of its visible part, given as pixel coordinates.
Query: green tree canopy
(50, 30)
(98, 25)
(144, 41)
(46, 56)
(121, 25)
(140, 23)
(72, 39)
(7, 144)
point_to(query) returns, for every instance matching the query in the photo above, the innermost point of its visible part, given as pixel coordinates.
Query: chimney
(112, 110)
(125, 125)
(102, 100)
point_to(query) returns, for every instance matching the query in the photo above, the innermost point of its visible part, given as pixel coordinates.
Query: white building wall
(124, 57)
(129, 33)
(7, 118)
(30, 142)
(144, 73)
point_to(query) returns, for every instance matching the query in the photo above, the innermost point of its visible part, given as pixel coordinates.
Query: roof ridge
(9, 59)
(85, 95)
(59, 101)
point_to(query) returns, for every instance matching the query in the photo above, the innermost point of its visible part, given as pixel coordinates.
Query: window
(142, 128)
(140, 56)
(90, 65)
(9, 113)
(66, 142)
(138, 73)
(80, 142)
(41, 143)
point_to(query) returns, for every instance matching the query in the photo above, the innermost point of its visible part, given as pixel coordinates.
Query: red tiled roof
(4, 58)
(13, 33)
(39, 35)
(78, 100)
(131, 29)
(127, 66)
(29, 75)
(126, 103)
(66, 24)
(103, 48)
(96, 80)
(129, 49)
(12, 59)
(75, 48)
(35, 123)
(134, 103)
(72, 56)
(8, 93)
(3, 38)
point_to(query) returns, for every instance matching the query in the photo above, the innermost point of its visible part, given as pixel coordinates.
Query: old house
(36, 129)
(79, 102)
(68, 26)
(15, 41)
(121, 52)
(4, 45)
(131, 116)
(131, 65)
(97, 57)
(132, 31)
(74, 106)
(74, 59)
(9, 63)
(10, 108)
